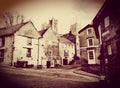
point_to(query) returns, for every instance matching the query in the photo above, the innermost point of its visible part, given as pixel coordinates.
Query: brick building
(89, 45)
(107, 28)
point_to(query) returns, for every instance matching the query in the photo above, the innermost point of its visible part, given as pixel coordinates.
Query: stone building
(19, 43)
(54, 47)
(48, 46)
(107, 28)
(89, 45)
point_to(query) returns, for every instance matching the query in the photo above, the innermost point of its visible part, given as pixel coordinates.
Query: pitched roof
(89, 25)
(11, 30)
(70, 37)
(64, 40)
(42, 32)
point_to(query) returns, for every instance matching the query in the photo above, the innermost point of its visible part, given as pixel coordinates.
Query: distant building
(49, 47)
(19, 43)
(66, 49)
(107, 29)
(74, 31)
(89, 45)
(53, 47)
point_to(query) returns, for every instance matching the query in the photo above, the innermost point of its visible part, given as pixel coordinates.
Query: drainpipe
(11, 63)
(38, 53)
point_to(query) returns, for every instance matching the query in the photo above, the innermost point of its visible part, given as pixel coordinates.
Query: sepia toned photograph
(59, 44)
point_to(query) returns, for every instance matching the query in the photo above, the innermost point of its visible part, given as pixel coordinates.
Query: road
(47, 78)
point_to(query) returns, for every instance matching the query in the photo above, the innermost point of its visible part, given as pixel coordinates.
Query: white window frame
(91, 31)
(109, 48)
(107, 21)
(89, 56)
(1, 42)
(88, 42)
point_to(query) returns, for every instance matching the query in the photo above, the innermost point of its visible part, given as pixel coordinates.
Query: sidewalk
(80, 72)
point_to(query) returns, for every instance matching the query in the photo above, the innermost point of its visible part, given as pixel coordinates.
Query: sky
(67, 12)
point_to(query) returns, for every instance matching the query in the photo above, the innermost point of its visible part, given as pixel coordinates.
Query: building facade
(66, 50)
(49, 46)
(19, 43)
(89, 45)
(107, 28)
(54, 47)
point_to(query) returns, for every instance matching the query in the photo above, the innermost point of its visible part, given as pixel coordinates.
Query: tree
(12, 18)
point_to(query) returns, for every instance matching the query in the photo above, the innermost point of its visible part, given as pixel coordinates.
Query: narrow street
(45, 78)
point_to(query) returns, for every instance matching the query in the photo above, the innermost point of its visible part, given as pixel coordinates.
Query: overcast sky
(67, 12)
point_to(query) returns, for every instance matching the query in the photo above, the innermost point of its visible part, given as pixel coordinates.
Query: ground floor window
(91, 54)
(91, 57)
(1, 55)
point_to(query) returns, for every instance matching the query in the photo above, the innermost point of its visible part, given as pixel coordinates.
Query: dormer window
(29, 41)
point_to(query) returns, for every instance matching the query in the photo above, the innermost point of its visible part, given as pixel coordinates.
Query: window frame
(29, 52)
(2, 41)
(88, 43)
(2, 55)
(88, 31)
(106, 21)
(109, 49)
(29, 41)
(93, 52)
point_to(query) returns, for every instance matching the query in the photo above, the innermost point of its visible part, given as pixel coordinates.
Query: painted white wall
(20, 44)
(8, 50)
(68, 47)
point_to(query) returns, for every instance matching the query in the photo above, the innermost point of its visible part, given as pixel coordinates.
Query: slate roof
(70, 37)
(11, 30)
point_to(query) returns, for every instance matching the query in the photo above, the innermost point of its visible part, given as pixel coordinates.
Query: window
(90, 42)
(91, 54)
(1, 55)
(29, 41)
(106, 21)
(2, 41)
(109, 50)
(49, 53)
(66, 53)
(89, 31)
(28, 52)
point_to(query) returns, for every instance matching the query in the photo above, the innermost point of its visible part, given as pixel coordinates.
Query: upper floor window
(2, 41)
(89, 31)
(106, 21)
(1, 55)
(90, 42)
(28, 52)
(66, 53)
(109, 48)
(29, 41)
